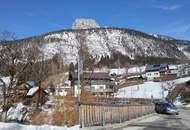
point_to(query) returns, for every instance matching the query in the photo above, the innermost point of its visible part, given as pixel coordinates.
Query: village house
(22, 89)
(30, 93)
(183, 70)
(62, 88)
(173, 70)
(155, 71)
(117, 71)
(98, 83)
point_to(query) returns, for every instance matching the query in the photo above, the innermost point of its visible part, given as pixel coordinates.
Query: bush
(65, 111)
(186, 97)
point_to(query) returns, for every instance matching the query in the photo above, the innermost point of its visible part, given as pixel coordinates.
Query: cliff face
(85, 24)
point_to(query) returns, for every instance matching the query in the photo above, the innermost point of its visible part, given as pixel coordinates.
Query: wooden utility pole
(78, 76)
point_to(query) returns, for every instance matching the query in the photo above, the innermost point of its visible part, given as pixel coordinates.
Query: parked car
(166, 108)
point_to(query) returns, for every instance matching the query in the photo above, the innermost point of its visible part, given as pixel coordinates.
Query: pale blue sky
(32, 17)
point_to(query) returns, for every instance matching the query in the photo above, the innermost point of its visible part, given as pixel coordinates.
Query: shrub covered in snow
(16, 126)
(18, 113)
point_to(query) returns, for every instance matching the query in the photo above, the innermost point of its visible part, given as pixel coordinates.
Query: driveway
(163, 122)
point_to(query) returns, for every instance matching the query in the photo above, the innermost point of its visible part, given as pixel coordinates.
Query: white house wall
(152, 75)
(98, 86)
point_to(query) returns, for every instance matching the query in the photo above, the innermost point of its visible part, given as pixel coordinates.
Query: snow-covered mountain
(164, 37)
(104, 41)
(100, 42)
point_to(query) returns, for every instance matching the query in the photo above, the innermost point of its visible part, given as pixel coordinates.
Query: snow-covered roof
(136, 69)
(172, 67)
(32, 91)
(156, 67)
(117, 71)
(30, 83)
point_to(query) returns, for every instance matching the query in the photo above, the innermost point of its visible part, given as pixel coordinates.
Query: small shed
(22, 89)
(36, 93)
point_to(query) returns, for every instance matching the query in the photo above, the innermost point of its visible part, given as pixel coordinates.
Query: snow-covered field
(149, 89)
(16, 126)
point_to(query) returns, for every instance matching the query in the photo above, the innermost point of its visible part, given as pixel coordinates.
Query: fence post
(141, 110)
(120, 120)
(91, 114)
(81, 116)
(103, 116)
(128, 112)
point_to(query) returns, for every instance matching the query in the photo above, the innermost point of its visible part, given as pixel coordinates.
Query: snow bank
(187, 105)
(181, 80)
(178, 103)
(16, 126)
(149, 89)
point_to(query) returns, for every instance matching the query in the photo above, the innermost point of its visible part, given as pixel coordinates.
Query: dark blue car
(166, 108)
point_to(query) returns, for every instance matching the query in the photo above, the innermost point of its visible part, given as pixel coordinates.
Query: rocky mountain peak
(85, 24)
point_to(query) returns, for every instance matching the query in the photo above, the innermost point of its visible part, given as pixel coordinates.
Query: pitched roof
(30, 83)
(156, 67)
(172, 67)
(32, 91)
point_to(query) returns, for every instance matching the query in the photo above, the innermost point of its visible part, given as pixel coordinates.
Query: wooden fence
(99, 114)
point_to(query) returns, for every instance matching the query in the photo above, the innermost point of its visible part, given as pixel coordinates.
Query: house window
(101, 87)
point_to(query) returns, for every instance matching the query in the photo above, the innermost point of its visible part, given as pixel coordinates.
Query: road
(163, 122)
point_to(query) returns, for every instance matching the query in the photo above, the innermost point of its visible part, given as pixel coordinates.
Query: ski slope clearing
(149, 89)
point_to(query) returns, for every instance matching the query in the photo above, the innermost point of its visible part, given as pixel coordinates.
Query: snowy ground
(187, 105)
(16, 126)
(149, 89)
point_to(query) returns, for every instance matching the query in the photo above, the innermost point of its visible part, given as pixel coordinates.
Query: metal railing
(100, 114)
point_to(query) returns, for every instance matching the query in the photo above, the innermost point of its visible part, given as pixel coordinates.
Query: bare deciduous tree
(40, 71)
(14, 58)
